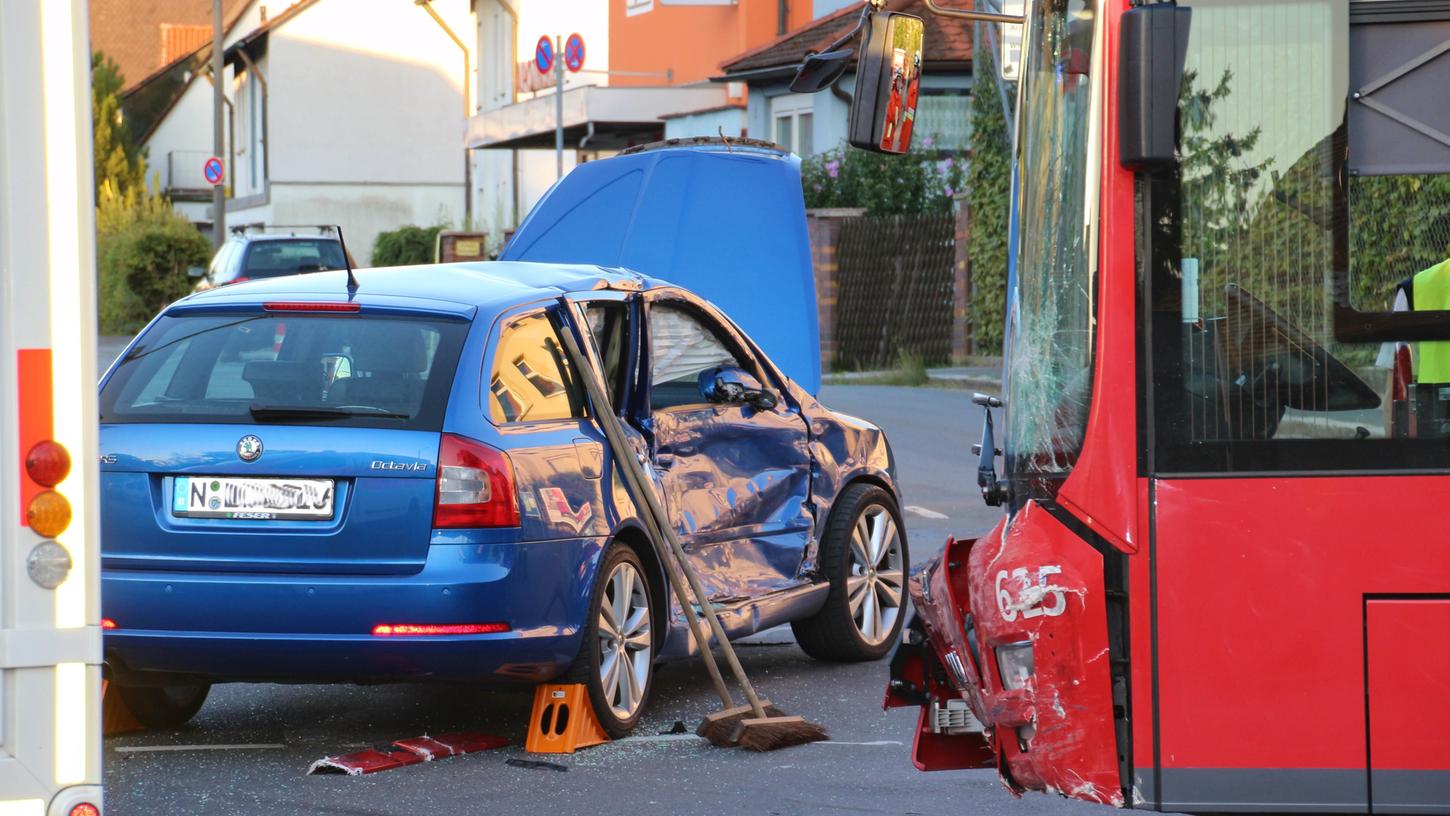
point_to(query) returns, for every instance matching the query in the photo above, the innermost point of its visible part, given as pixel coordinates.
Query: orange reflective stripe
(36, 408)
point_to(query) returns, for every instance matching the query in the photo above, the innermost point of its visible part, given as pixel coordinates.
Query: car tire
(616, 657)
(862, 617)
(164, 706)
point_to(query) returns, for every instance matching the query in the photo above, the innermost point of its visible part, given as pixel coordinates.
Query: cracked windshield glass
(1050, 310)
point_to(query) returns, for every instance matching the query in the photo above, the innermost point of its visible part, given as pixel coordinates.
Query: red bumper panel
(1032, 592)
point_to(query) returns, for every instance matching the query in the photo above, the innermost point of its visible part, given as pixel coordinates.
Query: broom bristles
(770, 733)
(719, 727)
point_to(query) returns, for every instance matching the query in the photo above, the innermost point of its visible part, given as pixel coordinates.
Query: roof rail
(726, 142)
(321, 229)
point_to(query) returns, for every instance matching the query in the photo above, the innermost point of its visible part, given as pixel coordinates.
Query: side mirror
(196, 271)
(888, 77)
(731, 384)
(1150, 74)
(994, 492)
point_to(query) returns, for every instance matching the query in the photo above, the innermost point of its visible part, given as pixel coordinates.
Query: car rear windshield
(352, 370)
(269, 259)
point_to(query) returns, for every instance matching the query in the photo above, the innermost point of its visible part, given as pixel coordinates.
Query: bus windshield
(1050, 296)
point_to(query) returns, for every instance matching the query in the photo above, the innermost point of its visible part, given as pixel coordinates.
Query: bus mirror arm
(994, 492)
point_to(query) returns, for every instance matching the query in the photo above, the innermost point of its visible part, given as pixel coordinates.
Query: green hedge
(405, 245)
(143, 251)
(989, 192)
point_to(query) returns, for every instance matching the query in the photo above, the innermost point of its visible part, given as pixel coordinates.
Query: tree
(118, 159)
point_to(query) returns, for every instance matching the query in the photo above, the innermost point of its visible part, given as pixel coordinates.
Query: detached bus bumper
(318, 628)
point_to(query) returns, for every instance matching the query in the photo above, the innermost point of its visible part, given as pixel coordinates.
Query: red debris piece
(427, 748)
(467, 742)
(365, 762)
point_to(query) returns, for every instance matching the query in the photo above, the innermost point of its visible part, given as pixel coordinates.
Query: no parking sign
(214, 171)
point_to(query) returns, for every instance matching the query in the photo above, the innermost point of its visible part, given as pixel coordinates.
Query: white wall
(500, 198)
(368, 91)
(729, 121)
(363, 210)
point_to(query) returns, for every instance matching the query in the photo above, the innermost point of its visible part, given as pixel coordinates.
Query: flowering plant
(922, 180)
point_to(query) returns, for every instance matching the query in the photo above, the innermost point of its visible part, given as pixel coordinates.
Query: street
(250, 747)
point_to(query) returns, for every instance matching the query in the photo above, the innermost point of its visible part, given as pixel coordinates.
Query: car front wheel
(616, 658)
(863, 553)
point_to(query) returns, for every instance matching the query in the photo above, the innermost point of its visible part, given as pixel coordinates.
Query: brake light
(405, 629)
(107, 623)
(85, 809)
(475, 486)
(237, 279)
(299, 306)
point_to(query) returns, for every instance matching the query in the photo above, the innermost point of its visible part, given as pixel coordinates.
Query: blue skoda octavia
(307, 481)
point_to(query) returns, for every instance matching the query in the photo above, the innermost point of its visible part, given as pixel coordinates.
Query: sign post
(559, 113)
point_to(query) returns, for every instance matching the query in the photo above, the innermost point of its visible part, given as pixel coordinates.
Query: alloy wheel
(875, 575)
(625, 640)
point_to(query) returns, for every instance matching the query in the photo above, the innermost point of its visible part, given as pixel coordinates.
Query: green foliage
(405, 245)
(1399, 226)
(989, 191)
(118, 159)
(920, 181)
(143, 249)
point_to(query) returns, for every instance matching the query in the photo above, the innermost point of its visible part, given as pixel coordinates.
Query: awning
(620, 117)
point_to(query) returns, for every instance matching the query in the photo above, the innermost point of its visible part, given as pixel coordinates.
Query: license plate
(258, 499)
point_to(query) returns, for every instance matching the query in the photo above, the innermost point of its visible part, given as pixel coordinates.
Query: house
(653, 82)
(813, 123)
(347, 112)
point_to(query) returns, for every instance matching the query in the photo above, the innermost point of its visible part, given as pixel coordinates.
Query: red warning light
(396, 629)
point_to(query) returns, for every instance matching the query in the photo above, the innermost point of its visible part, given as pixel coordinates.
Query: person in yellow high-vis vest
(1430, 291)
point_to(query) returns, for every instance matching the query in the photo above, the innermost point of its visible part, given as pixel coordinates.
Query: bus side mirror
(1150, 74)
(888, 76)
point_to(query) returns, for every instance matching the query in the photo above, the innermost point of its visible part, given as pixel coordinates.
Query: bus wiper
(269, 412)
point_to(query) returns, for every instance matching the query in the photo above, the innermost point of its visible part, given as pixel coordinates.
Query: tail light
(475, 486)
(414, 629)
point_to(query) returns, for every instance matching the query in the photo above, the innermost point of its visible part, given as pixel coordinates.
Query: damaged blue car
(398, 477)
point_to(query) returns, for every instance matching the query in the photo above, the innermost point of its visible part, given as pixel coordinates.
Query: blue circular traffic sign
(544, 55)
(213, 170)
(574, 52)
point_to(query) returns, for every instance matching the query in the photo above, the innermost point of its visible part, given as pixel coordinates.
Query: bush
(405, 245)
(143, 250)
(920, 181)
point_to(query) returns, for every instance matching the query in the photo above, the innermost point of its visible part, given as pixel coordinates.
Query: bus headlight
(48, 564)
(1014, 663)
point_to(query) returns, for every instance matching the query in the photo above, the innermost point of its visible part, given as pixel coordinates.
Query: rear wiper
(265, 412)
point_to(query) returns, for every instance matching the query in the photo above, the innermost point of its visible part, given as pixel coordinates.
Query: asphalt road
(249, 749)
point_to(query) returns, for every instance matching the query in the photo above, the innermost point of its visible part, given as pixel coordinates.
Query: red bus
(1222, 582)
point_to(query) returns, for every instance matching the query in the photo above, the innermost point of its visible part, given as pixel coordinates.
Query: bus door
(1297, 449)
